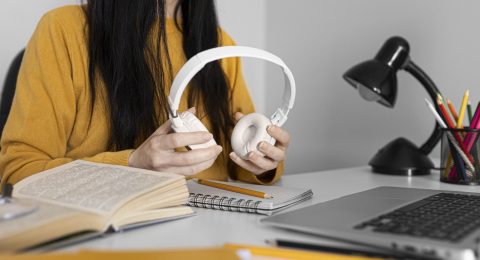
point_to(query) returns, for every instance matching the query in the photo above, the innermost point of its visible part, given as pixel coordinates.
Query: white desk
(215, 228)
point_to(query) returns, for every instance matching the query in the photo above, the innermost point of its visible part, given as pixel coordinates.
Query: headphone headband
(197, 62)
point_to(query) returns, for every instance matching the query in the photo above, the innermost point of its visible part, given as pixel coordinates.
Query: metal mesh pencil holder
(460, 158)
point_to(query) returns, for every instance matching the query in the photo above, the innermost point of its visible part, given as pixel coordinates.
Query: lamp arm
(433, 91)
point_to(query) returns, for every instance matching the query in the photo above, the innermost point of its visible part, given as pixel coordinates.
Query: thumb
(167, 126)
(164, 129)
(237, 116)
(192, 110)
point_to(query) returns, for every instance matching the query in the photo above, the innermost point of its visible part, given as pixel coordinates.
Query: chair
(9, 89)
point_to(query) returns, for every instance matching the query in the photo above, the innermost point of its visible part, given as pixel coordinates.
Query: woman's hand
(274, 154)
(158, 152)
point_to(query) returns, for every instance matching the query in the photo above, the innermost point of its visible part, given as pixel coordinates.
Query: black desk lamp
(376, 80)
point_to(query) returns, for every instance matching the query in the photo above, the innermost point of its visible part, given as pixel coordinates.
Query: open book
(214, 198)
(83, 196)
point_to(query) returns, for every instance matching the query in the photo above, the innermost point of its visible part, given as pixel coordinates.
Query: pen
(222, 186)
(333, 249)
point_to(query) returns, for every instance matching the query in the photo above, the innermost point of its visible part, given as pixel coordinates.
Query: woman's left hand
(274, 154)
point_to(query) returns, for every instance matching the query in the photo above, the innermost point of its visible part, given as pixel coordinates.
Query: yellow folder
(228, 252)
(178, 254)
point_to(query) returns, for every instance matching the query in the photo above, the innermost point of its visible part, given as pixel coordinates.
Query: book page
(45, 223)
(100, 188)
(43, 213)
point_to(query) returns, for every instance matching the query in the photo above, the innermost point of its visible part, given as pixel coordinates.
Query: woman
(93, 86)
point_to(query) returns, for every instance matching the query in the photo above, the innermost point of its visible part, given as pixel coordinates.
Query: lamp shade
(376, 79)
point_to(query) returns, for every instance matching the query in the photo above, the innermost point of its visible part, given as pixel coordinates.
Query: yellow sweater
(49, 121)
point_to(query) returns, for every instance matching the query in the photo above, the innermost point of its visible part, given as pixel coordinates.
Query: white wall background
(331, 125)
(320, 39)
(18, 19)
(251, 32)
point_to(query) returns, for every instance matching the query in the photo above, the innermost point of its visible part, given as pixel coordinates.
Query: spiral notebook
(203, 196)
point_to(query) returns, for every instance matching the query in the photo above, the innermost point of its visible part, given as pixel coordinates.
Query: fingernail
(270, 128)
(219, 149)
(261, 146)
(233, 155)
(208, 136)
(251, 155)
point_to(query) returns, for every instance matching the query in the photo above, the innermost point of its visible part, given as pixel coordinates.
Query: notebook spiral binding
(223, 203)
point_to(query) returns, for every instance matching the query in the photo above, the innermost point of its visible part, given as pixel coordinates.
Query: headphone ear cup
(249, 132)
(190, 123)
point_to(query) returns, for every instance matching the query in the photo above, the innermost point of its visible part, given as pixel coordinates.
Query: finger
(196, 156)
(192, 110)
(282, 136)
(191, 170)
(277, 154)
(261, 162)
(245, 164)
(237, 116)
(177, 140)
(165, 128)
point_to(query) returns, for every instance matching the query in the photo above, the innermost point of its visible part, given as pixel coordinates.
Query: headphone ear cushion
(249, 132)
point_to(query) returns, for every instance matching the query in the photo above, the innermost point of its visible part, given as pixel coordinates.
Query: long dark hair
(134, 68)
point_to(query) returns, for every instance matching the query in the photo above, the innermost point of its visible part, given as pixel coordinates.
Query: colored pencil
(459, 165)
(452, 109)
(437, 116)
(451, 125)
(459, 118)
(461, 114)
(448, 166)
(470, 115)
(450, 137)
(470, 138)
(222, 186)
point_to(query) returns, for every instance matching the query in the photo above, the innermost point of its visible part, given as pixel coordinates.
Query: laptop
(420, 222)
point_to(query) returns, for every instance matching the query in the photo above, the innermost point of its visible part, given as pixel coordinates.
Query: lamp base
(401, 157)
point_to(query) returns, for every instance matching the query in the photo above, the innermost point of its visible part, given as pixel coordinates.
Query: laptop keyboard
(444, 216)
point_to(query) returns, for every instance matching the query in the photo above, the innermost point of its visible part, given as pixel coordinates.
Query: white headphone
(252, 128)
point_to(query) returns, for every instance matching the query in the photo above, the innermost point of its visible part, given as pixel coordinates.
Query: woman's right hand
(158, 152)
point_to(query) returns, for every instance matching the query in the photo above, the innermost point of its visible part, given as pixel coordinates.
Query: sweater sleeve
(43, 112)
(242, 102)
